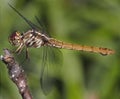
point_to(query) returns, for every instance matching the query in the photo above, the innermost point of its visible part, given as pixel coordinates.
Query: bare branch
(16, 74)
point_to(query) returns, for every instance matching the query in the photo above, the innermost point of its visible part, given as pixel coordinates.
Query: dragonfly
(37, 38)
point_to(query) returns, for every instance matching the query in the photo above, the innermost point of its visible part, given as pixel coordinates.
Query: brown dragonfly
(37, 38)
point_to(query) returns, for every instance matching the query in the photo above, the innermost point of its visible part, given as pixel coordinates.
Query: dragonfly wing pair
(51, 57)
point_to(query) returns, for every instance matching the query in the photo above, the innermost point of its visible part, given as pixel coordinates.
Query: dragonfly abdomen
(60, 44)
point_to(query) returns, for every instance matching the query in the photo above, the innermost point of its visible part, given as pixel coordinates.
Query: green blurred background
(82, 75)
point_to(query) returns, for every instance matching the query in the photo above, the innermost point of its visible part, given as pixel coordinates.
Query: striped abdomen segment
(60, 44)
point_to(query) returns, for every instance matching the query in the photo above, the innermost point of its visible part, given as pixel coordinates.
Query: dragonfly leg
(19, 49)
(27, 54)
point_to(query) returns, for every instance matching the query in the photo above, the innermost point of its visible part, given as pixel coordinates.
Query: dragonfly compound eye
(15, 38)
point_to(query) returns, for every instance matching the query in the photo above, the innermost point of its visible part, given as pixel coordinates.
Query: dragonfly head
(15, 38)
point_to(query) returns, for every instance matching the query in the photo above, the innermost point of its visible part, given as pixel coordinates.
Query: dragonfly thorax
(33, 38)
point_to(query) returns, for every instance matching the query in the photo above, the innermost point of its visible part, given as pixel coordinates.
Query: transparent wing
(32, 25)
(51, 65)
(42, 27)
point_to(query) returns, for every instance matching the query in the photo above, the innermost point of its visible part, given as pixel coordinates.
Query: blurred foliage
(83, 75)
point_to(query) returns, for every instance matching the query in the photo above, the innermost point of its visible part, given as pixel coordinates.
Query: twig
(16, 74)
